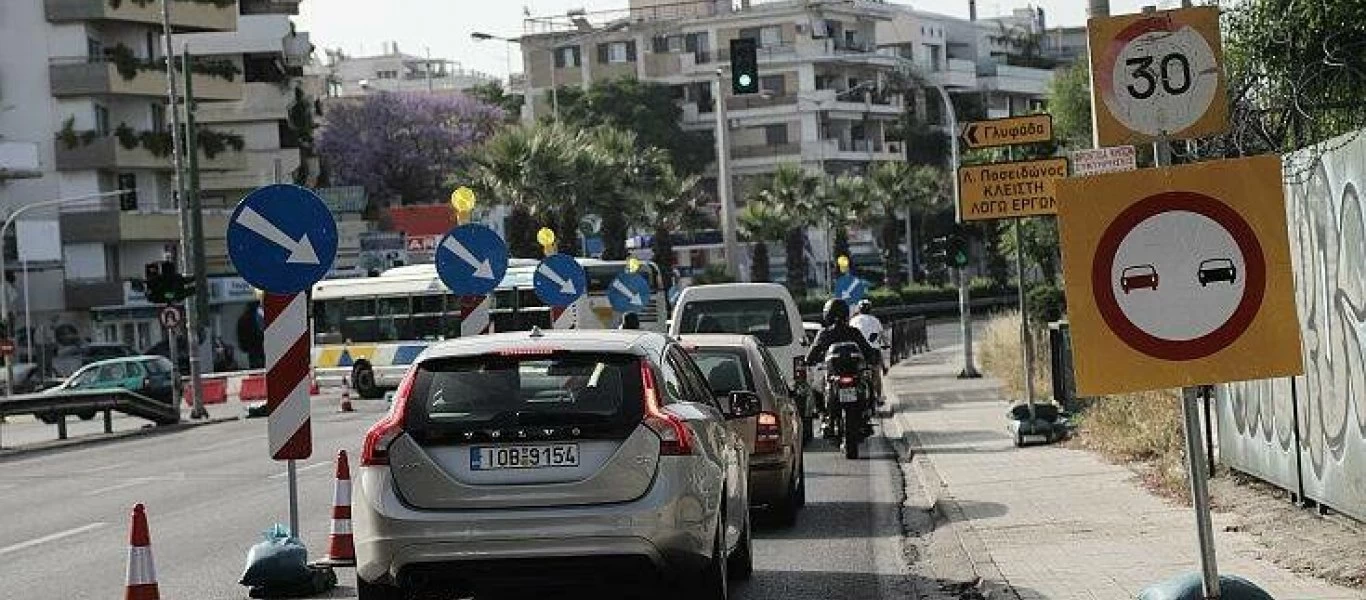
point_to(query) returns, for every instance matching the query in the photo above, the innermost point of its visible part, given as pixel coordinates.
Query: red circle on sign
(1103, 264)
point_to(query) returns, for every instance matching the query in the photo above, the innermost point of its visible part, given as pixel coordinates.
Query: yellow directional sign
(1029, 129)
(1012, 189)
(1179, 276)
(1158, 74)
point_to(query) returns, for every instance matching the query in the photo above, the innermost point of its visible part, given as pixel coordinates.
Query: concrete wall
(1327, 216)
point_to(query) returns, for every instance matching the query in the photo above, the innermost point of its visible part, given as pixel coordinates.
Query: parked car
(777, 478)
(71, 358)
(1216, 269)
(147, 375)
(1138, 277)
(763, 310)
(548, 458)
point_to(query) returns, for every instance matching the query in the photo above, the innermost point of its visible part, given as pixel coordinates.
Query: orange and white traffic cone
(346, 396)
(142, 572)
(341, 551)
(313, 388)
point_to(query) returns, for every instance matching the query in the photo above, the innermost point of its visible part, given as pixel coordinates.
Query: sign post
(283, 239)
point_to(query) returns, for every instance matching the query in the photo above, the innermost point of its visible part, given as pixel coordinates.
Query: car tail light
(375, 451)
(675, 439)
(768, 431)
(846, 380)
(798, 369)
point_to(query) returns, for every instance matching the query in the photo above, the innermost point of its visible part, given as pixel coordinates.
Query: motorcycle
(849, 394)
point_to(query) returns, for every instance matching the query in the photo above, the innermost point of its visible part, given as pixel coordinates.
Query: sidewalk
(1049, 522)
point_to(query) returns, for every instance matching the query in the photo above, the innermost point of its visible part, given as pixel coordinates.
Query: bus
(366, 331)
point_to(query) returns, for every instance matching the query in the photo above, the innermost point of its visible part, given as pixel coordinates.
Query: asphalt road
(211, 490)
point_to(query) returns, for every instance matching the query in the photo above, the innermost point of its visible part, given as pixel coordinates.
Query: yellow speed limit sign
(1179, 276)
(1157, 75)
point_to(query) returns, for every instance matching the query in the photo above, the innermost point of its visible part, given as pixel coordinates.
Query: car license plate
(848, 395)
(485, 458)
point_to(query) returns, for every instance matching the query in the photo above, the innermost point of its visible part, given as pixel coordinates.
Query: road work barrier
(341, 551)
(141, 582)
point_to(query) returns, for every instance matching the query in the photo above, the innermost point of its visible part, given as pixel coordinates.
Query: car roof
(629, 341)
(720, 340)
(734, 290)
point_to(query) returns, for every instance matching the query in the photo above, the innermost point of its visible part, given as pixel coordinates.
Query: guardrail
(61, 404)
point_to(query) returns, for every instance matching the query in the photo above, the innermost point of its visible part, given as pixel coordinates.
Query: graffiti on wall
(1313, 429)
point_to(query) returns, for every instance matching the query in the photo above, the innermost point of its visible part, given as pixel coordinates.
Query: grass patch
(1141, 430)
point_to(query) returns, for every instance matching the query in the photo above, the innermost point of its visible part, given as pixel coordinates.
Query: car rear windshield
(598, 394)
(764, 318)
(726, 370)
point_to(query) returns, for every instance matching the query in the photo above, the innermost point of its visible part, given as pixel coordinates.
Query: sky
(360, 27)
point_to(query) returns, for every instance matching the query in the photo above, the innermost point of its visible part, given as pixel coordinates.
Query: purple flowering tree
(403, 148)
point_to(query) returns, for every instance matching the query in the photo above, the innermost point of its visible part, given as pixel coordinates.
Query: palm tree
(845, 199)
(622, 177)
(761, 222)
(672, 204)
(794, 194)
(918, 191)
(531, 169)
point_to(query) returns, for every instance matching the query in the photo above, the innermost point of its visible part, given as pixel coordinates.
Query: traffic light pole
(4, 297)
(192, 251)
(723, 190)
(964, 307)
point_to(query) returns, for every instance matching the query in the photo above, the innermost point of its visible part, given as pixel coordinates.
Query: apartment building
(396, 71)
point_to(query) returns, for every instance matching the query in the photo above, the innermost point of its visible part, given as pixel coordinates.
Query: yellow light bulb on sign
(545, 237)
(632, 265)
(462, 199)
(843, 263)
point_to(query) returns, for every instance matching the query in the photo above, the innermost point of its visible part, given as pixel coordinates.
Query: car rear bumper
(667, 531)
(769, 475)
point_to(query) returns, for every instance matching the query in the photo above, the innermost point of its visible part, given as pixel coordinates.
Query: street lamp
(480, 36)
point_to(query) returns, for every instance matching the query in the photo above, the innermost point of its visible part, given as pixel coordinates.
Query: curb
(990, 582)
(8, 454)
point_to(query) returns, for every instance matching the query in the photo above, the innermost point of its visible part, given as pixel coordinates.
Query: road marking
(106, 468)
(315, 465)
(51, 538)
(120, 486)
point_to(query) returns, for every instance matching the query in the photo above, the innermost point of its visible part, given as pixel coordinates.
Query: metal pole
(723, 182)
(1195, 466)
(964, 309)
(177, 386)
(28, 321)
(1025, 347)
(293, 474)
(192, 250)
(4, 296)
(554, 89)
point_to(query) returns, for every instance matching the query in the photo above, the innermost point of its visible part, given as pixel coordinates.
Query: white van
(763, 310)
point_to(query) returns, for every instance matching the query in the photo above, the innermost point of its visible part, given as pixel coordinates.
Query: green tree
(532, 169)
(492, 93)
(646, 108)
(674, 204)
(761, 222)
(1069, 101)
(843, 199)
(917, 191)
(793, 192)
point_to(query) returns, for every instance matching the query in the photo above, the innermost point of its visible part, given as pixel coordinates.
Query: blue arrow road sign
(282, 238)
(559, 280)
(471, 260)
(850, 289)
(629, 293)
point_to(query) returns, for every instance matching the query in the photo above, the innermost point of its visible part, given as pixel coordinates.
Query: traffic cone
(341, 552)
(313, 385)
(142, 572)
(346, 396)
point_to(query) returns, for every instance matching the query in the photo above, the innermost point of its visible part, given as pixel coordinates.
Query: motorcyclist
(872, 330)
(835, 330)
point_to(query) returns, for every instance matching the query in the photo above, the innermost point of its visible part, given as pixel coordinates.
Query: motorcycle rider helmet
(865, 307)
(835, 311)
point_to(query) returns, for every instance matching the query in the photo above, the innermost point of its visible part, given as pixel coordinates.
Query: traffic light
(958, 250)
(165, 285)
(744, 66)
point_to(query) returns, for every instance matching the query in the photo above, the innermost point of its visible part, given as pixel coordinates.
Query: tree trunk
(521, 234)
(567, 232)
(663, 248)
(758, 267)
(614, 232)
(796, 262)
(890, 266)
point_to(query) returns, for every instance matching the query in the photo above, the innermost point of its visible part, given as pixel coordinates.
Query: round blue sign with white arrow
(471, 260)
(282, 238)
(559, 280)
(629, 293)
(850, 289)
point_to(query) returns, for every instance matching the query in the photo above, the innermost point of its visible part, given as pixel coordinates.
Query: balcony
(765, 151)
(162, 225)
(958, 73)
(1015, 80)
(864, 150)
(855, 101)
(108, 153)
(663, 64)
(757, 101)
(91, 226)
(259, 171)
(186, 15)
(260, 102)
(91, 293)
(78, 77)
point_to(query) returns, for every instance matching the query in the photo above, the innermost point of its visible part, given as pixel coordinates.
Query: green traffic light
(746, 80)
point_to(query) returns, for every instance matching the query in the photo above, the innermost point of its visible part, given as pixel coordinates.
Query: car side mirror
(742, 404)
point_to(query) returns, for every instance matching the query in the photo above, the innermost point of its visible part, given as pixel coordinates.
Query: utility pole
(197, 306)
(964, 305)
(723, 191)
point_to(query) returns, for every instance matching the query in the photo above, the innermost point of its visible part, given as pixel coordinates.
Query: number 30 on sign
(1158, 75)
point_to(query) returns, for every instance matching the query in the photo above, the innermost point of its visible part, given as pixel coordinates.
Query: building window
(386, 74)
(616, 52)
(567, 56)
(101, 120)
(159, 118)
(775, 135)
(773, 84)
(770, 36)
(95, 49)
